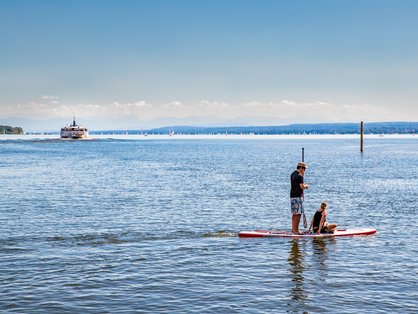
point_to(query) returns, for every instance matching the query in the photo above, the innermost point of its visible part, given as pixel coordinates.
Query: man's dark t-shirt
(296, 179)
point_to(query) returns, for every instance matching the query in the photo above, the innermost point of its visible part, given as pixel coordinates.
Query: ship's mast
(74, 122)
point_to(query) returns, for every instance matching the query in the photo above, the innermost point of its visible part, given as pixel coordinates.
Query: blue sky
(148, 63)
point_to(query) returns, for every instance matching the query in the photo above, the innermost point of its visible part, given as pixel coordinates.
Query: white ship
(74, 131)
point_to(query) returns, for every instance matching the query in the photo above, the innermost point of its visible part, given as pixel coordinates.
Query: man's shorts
(296, 205)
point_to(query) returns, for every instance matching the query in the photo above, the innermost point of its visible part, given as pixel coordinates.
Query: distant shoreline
(209, 136)
(384, 128)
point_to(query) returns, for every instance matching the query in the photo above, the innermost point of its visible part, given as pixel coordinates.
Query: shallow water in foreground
(110, 226)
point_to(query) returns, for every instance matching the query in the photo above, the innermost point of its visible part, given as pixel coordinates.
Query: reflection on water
(297, 267)
(320, 255)
(310, 256)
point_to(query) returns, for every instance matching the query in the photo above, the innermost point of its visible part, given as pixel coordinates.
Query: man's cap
(301, 164)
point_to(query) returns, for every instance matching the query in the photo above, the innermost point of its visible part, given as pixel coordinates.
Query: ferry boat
(74, 131)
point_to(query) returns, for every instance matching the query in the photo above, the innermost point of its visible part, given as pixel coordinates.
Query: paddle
(305, 223)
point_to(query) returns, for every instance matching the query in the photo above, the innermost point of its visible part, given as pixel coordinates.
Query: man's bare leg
(295, 223)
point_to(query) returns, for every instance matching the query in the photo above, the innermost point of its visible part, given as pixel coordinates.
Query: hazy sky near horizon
(147, 63)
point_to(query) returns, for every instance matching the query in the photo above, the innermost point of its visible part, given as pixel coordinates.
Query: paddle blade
(305, 223)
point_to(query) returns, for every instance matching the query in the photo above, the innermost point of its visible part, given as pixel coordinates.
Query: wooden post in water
(303, 154)
(361, 136)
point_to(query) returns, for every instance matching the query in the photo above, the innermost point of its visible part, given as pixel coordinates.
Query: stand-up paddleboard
(289, 234)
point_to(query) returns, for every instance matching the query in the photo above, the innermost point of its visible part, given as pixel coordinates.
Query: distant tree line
(5, 129)
(319, 128)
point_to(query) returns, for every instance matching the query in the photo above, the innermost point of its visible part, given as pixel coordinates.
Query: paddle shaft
(305, 223)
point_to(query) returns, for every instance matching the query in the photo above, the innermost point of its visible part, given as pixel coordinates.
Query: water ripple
(151, 226)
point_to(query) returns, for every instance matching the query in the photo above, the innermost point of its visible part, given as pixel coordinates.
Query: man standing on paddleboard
(296, 195)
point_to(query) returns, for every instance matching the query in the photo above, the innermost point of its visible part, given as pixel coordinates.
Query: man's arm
(303, 186)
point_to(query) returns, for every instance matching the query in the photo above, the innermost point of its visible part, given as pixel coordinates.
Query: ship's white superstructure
(74, 131)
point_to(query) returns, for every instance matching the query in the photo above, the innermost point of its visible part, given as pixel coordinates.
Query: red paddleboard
(289, 234)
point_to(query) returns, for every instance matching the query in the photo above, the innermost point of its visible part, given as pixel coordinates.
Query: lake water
(150, 226)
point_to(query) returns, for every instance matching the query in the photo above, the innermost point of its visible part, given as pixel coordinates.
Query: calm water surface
(148, 226)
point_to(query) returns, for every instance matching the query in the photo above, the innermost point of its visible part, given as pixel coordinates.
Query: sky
(139, 64)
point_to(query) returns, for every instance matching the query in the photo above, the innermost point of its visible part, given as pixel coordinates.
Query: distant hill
(319, 128)
(5, 129)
